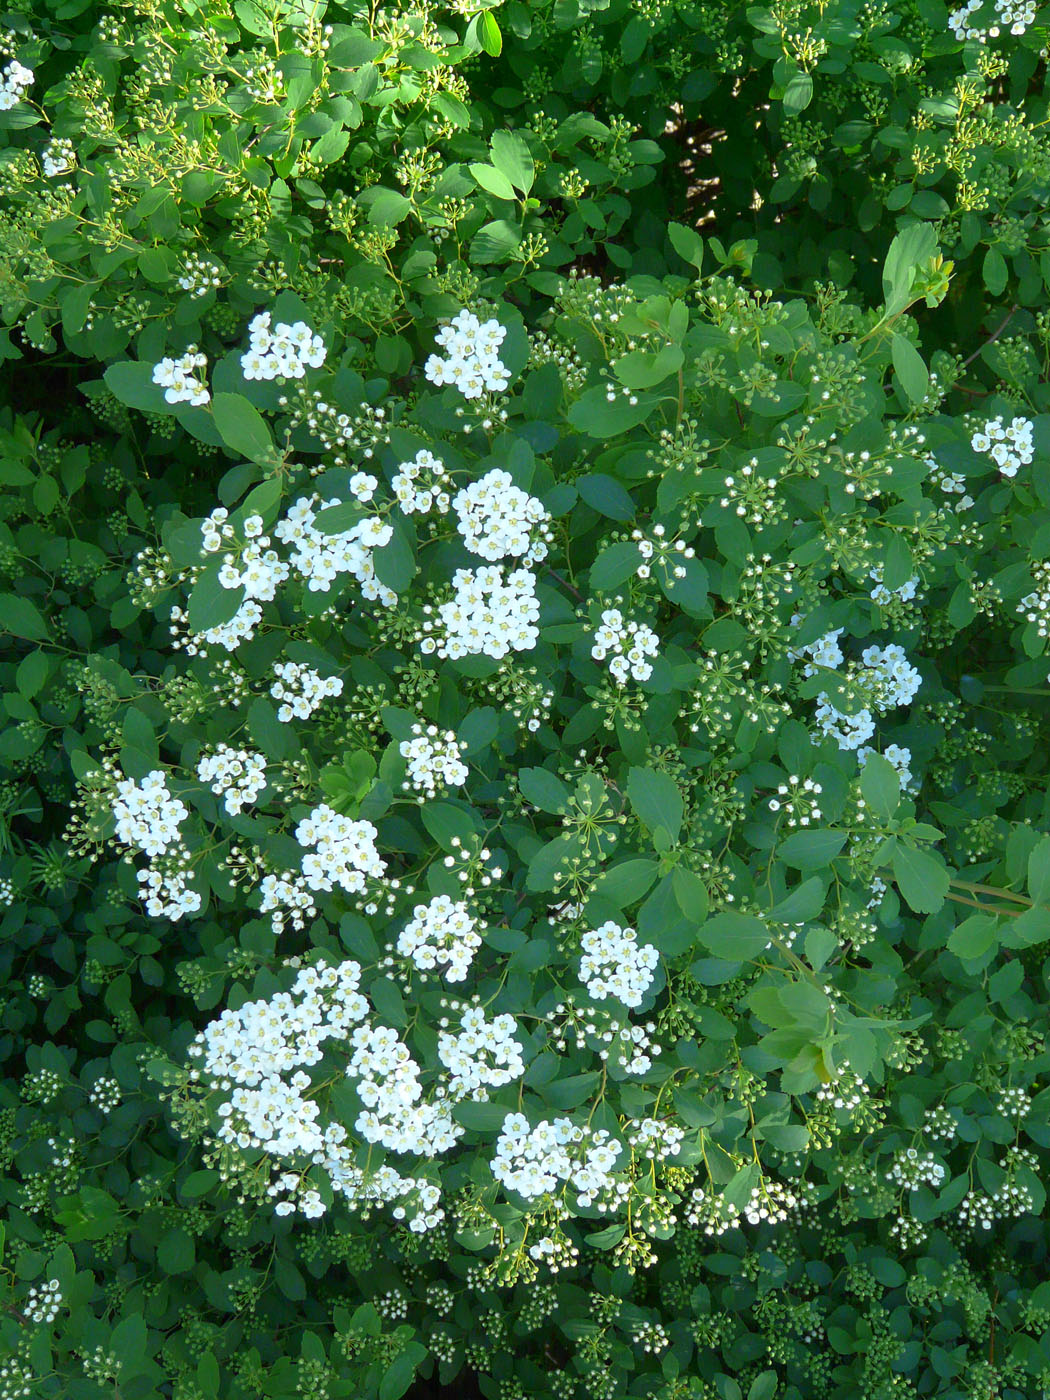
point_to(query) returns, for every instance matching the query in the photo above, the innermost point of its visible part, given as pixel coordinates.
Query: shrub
(561, 698)
(726, 831)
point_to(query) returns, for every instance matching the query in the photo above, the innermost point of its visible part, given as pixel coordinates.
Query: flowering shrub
(642, 958)
(523, 822)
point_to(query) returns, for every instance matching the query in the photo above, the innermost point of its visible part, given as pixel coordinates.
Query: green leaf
(493, 180)
(386, 208)
(911, 368)
(21, 618)
(615, 565)
(811, 850)
(690, 894)
(401, 1372)
(494, 242)
(804, 903)
(210, 604)
(639, 369)
(974, 937)
(199, 1183)
(880, 786)
(510, 156)
(128, 1341)
(799, 93)
(1039, 872)
(995, 272)
(492, 43)
(243, 428)
(444, 821)
(922, 878)
(549, 860)
(687, 243)
(175, 1253)
(595, 415)
(605, 495)
(908, 251)
(625, 883)
(734, 937)
(395, 564)
(764, 1386)
(544, 790)
(478, 730)
(132, 383)
(656, 800)
(480, 1117)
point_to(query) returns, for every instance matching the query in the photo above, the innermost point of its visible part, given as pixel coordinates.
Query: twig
(995, 336)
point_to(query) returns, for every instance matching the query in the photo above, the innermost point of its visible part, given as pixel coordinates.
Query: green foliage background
(773, 213)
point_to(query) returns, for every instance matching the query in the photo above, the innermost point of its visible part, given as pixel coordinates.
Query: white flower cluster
(180, 380)
(239, 773)
(320, 558)
(441, 933)
(419, 485)
(896, 754)
(615, 964)
(257, 1047)
(286, 897)
(845, 1092)
(849, 731)
(1009, 447)
(655, 1138)
(390, 1089)
(433, 760)
(253, 566)
(487, 616)
(951, 483)
(898, 681)
(883, 595)
(199, 275)
(711, 1213)
(1017, 14)
(534, 1161)
(798, 798)
(630, 642)
(484, 1055)
(891, 680)
(343, 851)
(652, 1337)
(147, 815)
(667, 554)
(940, 1122)
(15, 82)
(301, 690)
(1006, 1203)
(912, 1169)
(284, 351)
(1035, 606)
(370, 1188)
(256, 568)
(632, 1047)
(43, 1303)
(166, 893)
(472, 364)
(58, 156)
(497, 519)
(825, 651)
(772, 1202)
(1013, 1101)
(105, 1094)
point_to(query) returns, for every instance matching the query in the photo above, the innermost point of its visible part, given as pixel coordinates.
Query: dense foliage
(525, 846)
